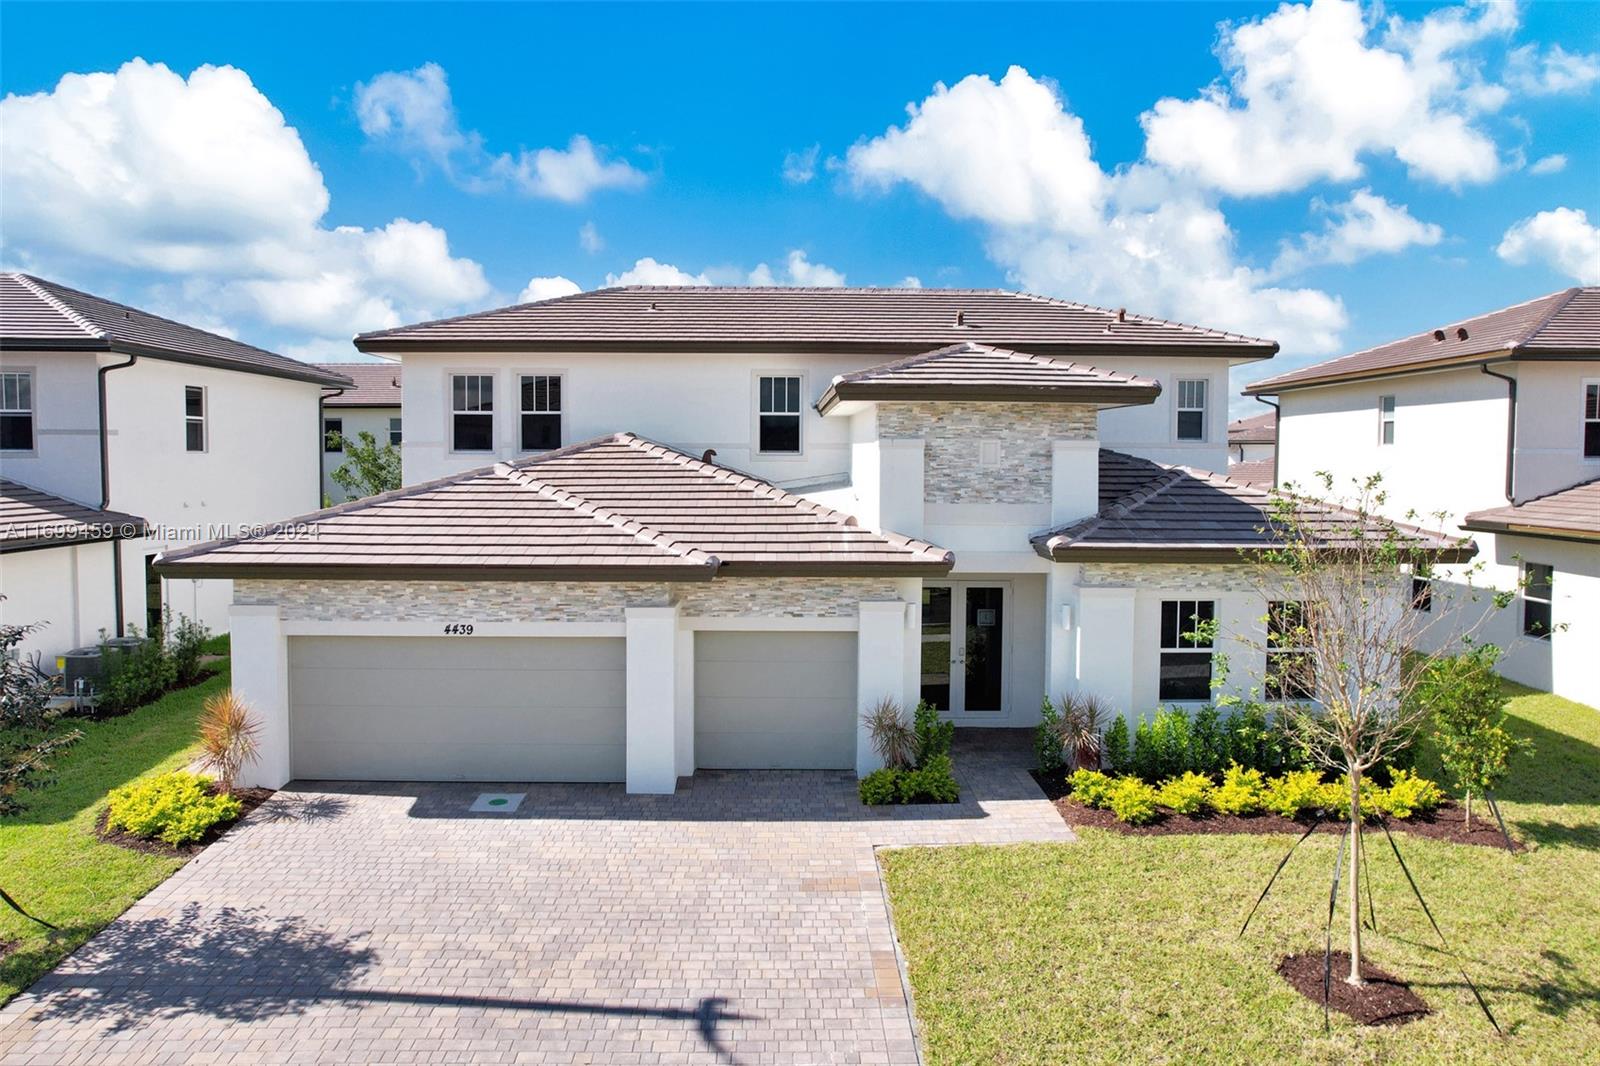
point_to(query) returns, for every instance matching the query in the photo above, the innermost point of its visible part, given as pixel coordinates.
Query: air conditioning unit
(83, 671)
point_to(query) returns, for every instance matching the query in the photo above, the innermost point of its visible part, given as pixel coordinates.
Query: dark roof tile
(32, 518)
(1571, 513)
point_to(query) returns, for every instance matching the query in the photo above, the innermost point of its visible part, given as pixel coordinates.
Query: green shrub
(1240, 792)
(1172, 739)
(176, 808)
(1091, 787)
(880, 787)
(1408, 794)
(1118, 748)
(1208, 753)
(186, 642)
(933, 736)
(1146, 760)
(134, 677)
(932, 782)
(1132, 801)
(1294, 792)
(1047, 739)
(1188, 794)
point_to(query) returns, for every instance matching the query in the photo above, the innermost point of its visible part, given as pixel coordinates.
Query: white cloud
(1553, 71)
(797, 269)
(1309, 93)
(800, 167)
(413, 112)
(910, 281)
(201, 178)
(589, 238)
(1562, 239)
(1365, 224)
(547, 289)
(801, 271)
(648, 271)
(1554, 163)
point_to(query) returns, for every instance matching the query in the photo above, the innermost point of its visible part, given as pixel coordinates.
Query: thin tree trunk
(1355, 879)
(1469, 809)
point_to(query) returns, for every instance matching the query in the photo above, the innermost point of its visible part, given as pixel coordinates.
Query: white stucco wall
(66, 455)
(67, 588)
(374, 420)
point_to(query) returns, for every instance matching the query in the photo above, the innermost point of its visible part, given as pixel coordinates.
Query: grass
(1126, 949)
(53, 865)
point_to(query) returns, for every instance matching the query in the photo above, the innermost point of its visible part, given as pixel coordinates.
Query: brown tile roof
(614, 508)
(1253, 472)
(31, 518)
(1258, 429)
(40, 315)
(376, 384)
(1151, 511)
(977, 373)
(1570, 514)
(884, 321)
(1562, 324)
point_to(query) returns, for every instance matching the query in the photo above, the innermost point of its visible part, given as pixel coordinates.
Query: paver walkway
(741, 920)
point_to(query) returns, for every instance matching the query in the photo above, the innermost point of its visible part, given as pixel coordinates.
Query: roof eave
(377, 345)
(460, 572)
(1113, 553)
(1099, 395)
(146, 351)
(1489, 525)
(11, 547)
(1275, 387)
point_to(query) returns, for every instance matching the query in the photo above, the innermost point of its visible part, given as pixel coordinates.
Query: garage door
(466, 709)
(775, 701)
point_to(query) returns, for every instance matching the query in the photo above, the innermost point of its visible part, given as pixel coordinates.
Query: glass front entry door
(964, 648)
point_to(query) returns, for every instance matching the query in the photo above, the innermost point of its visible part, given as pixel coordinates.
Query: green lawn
(1125, 949)
(50, 861)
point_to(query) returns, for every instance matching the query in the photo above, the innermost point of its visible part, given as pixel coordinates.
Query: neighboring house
(106, 406)
(1252, 445)
(1494, 422)
(372, 405)
(653, 530)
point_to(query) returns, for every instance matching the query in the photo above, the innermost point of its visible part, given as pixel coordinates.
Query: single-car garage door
(774, 701)
(457, 709)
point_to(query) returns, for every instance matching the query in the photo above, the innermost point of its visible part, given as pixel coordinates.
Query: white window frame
(1179, 408)
(1583, 431)
(203, 420)
(1275, 650)
(23, 373)
(1548, 601)
(326, 433)
(1184, 646)
(451, 412)
(756, 413)
(396, 430)
(1386, 418)
(541, 372)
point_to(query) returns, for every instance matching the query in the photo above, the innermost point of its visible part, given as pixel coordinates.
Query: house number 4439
(458, 629)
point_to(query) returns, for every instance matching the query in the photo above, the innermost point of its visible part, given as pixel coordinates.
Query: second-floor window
(779, 414)
(1385, 419)
(1192, 409)
(471, 413)
(333, 434)
(541, 412)
(1186, 649)
(1591, 420)
(16, 411)
(1538, 588)
(194, 418)
(394, 432)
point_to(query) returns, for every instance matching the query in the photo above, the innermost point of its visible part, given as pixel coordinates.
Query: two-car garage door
(554, 708)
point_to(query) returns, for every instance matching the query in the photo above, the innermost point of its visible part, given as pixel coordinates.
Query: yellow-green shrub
(1407, 794)
(1240, 791)
(1091, 787)
(1188, 794)
(1132, 801)
(1294, 792)
(176, 808)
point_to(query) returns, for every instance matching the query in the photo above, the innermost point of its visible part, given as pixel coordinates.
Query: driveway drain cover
(496, 802)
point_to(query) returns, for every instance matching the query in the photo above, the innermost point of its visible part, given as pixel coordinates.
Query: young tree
(368, 468)
(1342, 636)
(28, 734)
(1469, 719)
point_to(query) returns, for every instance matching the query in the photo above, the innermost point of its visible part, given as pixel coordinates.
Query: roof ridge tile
(41, 289)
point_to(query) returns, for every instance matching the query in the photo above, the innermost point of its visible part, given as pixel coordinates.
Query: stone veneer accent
(1172, 577)
(558, 601)
(951, 471)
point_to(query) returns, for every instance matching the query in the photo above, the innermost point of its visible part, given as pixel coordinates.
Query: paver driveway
(739, 920)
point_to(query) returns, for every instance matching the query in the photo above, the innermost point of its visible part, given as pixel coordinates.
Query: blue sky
(1331, 177)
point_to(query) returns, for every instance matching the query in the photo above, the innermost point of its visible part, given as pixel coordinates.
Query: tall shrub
(1047, 739)
(1462, 695)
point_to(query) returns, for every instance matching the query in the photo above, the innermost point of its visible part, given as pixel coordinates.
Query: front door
(964, 648)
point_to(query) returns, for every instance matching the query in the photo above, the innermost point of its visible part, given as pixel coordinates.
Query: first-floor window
(394, 432)
(16, 411)
(1291, 671)
(1186, 649)
(1421, 594)
(333, 434)
(779, 414)
(1591, 420)
(194, 418)
(1538, 588)
(471, 413)
(541, 412)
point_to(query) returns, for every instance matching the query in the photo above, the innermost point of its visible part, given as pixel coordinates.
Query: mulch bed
(1448, 823)
(1383, 1000)
(249, 799)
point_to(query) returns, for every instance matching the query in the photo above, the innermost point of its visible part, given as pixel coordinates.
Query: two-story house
(646, 531)
(105, 406)
(371, 405)
(1253, 447)
(1493, 421)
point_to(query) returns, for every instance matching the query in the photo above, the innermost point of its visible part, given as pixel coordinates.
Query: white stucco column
(652, 695)
(684, 702)
(260, 661)
(900, 485)
(1105, 651)
(1074, 480)
(1061, 627)
(880, 669)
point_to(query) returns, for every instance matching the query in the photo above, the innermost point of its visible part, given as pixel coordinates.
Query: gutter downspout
(1511, 430)
(1277, 439)
(105, 487)
(327, 393)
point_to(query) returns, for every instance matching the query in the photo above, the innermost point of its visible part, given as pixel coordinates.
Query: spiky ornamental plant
(1343, 645)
